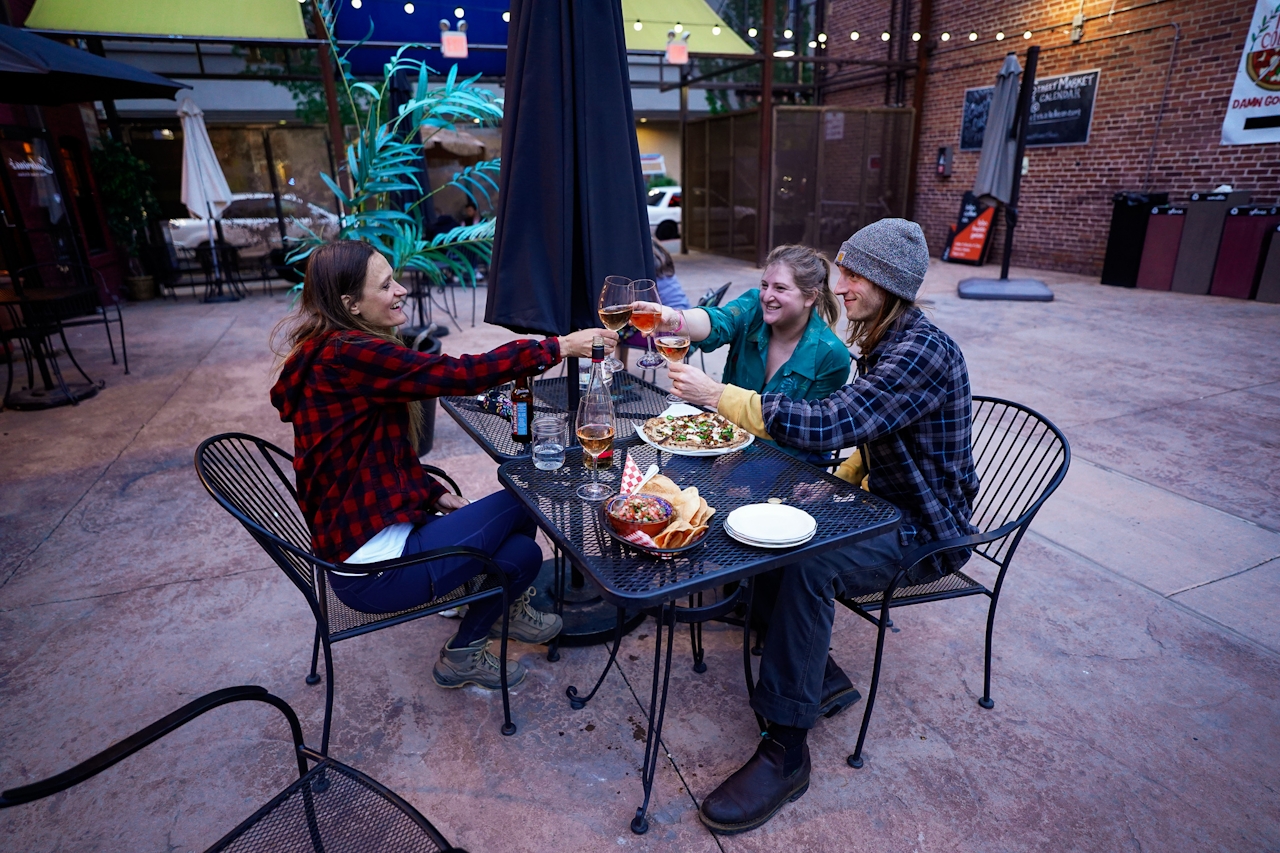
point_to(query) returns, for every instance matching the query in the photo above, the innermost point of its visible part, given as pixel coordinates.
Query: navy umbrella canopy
(37, 70)
(571, 207)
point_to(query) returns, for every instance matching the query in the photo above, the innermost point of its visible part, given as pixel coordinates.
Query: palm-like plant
(385, 157)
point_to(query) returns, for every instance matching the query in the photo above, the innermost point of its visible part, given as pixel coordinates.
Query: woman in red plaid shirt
(351, 389)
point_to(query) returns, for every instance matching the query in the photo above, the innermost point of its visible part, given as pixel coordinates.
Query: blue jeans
(498, 525)
(795, 648)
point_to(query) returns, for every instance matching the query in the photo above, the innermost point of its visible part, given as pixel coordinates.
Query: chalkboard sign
(977, 103)
(1061, 111)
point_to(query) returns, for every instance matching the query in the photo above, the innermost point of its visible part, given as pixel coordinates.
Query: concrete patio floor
(1136, 662)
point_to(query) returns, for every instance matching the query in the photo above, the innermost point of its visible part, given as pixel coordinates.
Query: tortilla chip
(661, 486)
(690, 504)
(703, 514)
(673, 532)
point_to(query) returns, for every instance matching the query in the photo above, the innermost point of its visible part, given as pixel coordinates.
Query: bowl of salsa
(646, 513)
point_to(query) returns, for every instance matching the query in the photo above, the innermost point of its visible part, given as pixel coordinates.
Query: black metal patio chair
(1020, 458)
(247, 476)
(332, 808)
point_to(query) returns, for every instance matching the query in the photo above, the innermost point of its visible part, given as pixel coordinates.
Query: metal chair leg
(986, 701)
(314, 678)
(855, 760)
(106, 325)
(124, 350)
(695, 640)
(328, 696)
(657, 710)
(508, 727)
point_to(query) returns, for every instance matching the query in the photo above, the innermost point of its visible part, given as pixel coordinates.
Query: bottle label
(520, 421)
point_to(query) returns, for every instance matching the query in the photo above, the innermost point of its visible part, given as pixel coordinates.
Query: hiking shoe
(528, 625)
(474, 664)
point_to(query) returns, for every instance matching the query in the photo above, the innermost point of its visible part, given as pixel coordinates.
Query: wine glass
(595, 433)
(615, 311)
(646, 290)
(673, 346)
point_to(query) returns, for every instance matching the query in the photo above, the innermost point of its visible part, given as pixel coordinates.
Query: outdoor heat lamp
(677, 48)
(453, 43)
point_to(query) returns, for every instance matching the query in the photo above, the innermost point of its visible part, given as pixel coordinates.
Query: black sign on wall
(1061, 111)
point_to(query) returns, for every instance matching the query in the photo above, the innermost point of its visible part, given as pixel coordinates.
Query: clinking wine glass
(673, 347)
(615, 311)
(595, 434)
(646, 290)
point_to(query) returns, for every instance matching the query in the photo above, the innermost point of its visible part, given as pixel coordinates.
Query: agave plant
(385, 157)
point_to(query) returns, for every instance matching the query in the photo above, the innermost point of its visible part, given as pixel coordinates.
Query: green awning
(257, 19)
(658, 17)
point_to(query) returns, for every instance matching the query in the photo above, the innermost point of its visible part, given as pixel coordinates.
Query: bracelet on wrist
(680, 326)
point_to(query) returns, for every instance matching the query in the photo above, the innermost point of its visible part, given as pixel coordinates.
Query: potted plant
(128, 197)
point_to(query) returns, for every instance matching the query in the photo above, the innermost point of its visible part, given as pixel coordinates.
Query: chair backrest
(253, 480)
(1020, 458)
(85, 286)
(712, 298)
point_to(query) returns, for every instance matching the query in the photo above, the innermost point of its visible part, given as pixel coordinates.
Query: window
(250, 208)
(73, 156)
(655, 197)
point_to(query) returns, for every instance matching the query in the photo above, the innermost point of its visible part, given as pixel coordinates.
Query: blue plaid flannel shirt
(909, 409)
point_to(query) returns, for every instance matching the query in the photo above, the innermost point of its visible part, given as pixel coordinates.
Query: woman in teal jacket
(780, 334)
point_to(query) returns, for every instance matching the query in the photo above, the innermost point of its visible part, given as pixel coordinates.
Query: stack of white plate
(770, 525)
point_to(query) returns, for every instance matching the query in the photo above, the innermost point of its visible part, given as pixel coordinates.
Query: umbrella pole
(1021, 121)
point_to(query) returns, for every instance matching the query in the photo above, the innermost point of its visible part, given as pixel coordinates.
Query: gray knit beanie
(891, 253)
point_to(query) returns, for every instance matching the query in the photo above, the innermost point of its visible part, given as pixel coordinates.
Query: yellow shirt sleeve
(743, 408)
(852, 470)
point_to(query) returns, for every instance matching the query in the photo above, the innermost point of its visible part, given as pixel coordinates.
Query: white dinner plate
(728, 530)
(678, 409)
(771, 524)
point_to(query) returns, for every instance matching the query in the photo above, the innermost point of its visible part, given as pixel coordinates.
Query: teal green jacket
(817, 368)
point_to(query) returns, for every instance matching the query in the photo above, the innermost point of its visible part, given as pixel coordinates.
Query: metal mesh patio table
(628, 578)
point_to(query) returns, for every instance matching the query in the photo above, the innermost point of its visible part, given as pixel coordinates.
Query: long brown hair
(866, 334)
(812, 273)
(336, 270)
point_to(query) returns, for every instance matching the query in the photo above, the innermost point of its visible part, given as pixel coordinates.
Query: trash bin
(1240, 252)
(1269, 282)
(1130, 212)
(1160, 249)
(424, 340)
(1201, 234)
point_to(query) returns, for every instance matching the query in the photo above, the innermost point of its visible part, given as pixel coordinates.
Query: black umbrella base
(588, 619)
(1012, 289)
(34, 399)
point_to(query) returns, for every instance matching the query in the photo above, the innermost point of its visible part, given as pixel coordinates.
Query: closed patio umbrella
(999, 146)
(37, 70)
(571, 207)
(204, 187)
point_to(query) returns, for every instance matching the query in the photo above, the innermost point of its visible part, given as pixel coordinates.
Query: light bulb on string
(854, 36)
(822, 37)
(1027, 34)
(637, 26)
(506, 17)
(945, 36)
(973, 36)
(752, 32)
(459, 13)
(915, 37)
(715, 31)
(884, 37)
(408, 8)
(1000, 36)
(786, 34)
(356, 4)
(813, 45)
(679, 27)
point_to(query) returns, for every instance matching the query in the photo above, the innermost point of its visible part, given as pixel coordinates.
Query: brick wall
(1066, 205)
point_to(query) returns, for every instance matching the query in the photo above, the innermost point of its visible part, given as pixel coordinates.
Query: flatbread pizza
(703, 431)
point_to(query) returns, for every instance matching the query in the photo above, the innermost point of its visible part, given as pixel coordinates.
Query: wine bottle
(599, 380)
(521, 411)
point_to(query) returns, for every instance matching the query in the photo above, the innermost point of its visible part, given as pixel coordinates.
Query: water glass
(548, 442)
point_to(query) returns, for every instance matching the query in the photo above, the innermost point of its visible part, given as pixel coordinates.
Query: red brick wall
(1066, 205)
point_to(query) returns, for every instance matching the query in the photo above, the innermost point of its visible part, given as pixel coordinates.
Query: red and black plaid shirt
(347, 396)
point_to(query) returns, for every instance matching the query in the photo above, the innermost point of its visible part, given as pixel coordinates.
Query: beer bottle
(521, 411)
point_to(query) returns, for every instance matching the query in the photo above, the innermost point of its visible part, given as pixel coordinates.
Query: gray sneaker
(474, 664)
(529, 625)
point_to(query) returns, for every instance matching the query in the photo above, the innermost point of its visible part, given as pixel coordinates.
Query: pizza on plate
(703, 431)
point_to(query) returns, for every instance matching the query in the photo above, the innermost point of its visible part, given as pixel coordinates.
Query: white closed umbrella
(204, 187)
(999, 147)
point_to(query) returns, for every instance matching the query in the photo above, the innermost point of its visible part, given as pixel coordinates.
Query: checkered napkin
(632, 477)
(639, 537)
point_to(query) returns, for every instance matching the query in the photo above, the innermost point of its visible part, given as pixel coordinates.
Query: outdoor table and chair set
(1020, 457)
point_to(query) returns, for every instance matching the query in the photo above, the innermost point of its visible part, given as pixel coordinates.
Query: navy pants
(498, 525)
(795, 649)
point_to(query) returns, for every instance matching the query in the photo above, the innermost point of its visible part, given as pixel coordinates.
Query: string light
(356, 4)
(506, 17)
(752, 32)
(915, 37)
(1000, 36)
(853, 36)
(784, 53)
(637, 26)
(884, 37)
(715, 31)
(813, 44)
(459, 13)
(679, 27)
(786, 34)
(973, 36)
(946, 36)
(1027, 34)
(822, 37)
(408, 8)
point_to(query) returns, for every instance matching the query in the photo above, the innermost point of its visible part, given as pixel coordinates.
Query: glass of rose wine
(595, 434)
(673, 347)
(646, 319)
(615, 311)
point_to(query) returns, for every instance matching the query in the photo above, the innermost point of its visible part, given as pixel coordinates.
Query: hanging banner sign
(1253, 114)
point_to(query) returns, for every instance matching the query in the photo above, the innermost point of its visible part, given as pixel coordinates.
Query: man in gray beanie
(907, 414)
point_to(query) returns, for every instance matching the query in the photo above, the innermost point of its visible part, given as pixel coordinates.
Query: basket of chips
(686, 525)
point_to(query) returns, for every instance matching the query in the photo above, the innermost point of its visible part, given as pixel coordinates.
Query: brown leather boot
(754, 793)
